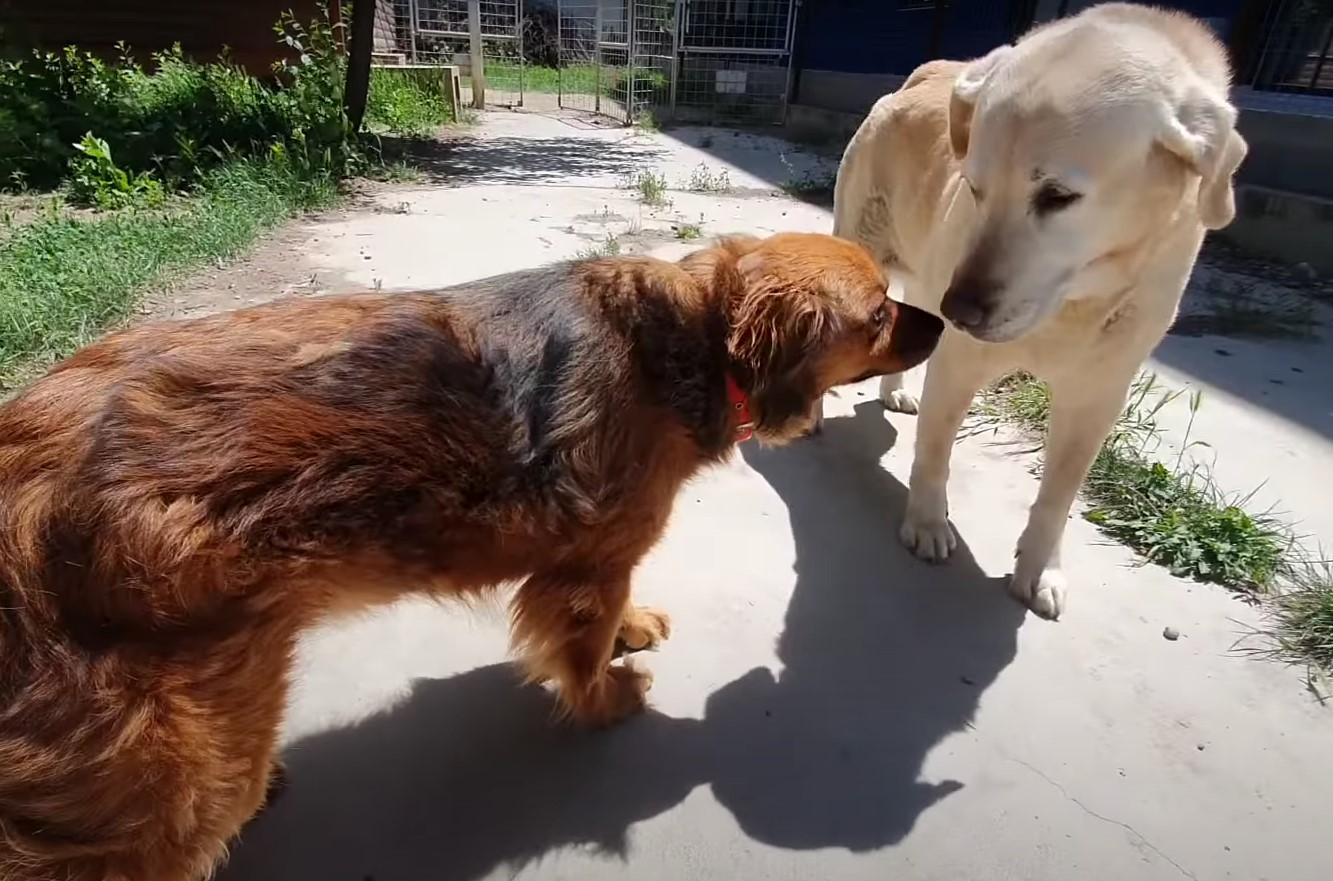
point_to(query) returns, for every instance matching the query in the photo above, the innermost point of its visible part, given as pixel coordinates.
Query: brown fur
(180, 501)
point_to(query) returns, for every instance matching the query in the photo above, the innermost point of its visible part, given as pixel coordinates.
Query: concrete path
(829, 707)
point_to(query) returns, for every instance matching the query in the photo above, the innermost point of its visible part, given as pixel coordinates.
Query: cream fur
(1125, 106)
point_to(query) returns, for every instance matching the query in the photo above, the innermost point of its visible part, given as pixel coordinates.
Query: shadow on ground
(882, 658)
(1289, 378)
(524, 161)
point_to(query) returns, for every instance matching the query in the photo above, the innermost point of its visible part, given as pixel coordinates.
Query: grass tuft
(689, 232)
(64, 279)
(406, 101)
(704, 180)
(1302, 618)
(1174, 514)
(651, 187)
(608, 247)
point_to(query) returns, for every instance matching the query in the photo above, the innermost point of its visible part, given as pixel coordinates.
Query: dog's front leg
(894, 395)
(1083, 410)
(953, 377)
(565, 625)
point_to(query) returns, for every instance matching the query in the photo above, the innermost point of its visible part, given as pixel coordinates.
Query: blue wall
(880, 36)
(863, 36)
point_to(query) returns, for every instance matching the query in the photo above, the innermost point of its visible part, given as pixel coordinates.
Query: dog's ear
(1201, 130)
(738, 244)
(774, 324)
(776, 329)
(966, 90)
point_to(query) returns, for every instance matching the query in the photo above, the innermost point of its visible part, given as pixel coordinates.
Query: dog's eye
(880, 318)
(1051, 197)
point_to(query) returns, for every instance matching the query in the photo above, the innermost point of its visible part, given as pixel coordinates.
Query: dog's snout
(969, 302)
(915, 334)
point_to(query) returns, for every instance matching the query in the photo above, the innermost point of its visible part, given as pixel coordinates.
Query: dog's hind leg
(565, 627)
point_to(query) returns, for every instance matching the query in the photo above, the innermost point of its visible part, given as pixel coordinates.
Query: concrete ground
(829, 707)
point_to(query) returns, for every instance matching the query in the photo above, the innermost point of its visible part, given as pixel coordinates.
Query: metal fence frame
(744, 52)
(455, 31)
(1297, 50)
(712, 61)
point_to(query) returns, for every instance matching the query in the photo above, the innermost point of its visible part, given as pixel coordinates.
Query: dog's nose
(967, 303)
(915, 334)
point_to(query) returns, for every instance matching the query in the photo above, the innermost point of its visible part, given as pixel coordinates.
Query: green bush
(174, 122)
(407, 101)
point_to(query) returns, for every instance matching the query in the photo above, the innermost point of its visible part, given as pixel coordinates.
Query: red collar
(740, 402)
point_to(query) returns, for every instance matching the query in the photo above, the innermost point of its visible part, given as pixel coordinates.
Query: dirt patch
(19, 209)
(269, 271)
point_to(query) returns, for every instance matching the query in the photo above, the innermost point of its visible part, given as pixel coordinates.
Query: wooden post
(474, 54)
(597, 58)
(357, 87)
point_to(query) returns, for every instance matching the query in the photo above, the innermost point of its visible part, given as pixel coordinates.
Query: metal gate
(735, 61)
(441, 32)
(616, 56)
(711, 61)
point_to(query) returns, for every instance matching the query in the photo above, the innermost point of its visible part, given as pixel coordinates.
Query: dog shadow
(883, 657)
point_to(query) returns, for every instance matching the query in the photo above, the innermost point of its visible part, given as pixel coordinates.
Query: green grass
(576, 79)
(1301, 617)
(1172, 514)
(651, 187)
(65, 279)
(815, 187)
(608, 247)
(704, 180)
(689, 232)
(407, 101)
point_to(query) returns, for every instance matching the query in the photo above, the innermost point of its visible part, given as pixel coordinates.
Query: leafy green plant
(705, 180)
(63, 278)
(176, 119)
(1172, 514)
(650, 185)
(406, 101)
(96, 180)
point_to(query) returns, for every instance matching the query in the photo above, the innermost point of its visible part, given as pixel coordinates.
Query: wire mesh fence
(439, 32)
(652, 55)
(721, 61)
(734, 61)
(579, 77)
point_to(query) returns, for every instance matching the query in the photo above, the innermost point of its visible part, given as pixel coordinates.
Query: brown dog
(180, 501)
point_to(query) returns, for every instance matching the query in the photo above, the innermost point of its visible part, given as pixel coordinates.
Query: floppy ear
(738, 244)
(1201, 130)
(775, 326)
(966, 91)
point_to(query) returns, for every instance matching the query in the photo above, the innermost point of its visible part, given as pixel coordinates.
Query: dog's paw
(930, 538)
(901, 401)
(1043, 592)
(618, 693)
(627, 690)
(644, 628)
